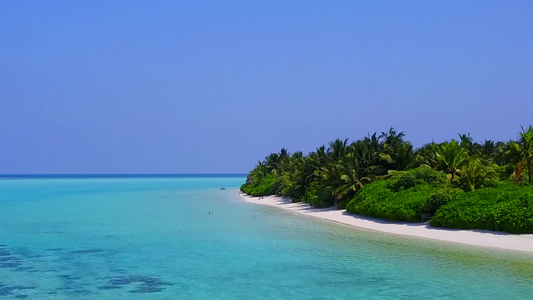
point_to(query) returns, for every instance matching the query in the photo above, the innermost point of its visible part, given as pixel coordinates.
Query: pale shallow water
(153, 238)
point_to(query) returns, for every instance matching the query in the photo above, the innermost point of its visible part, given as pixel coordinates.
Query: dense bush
(439, 199)
(400, 181)
(343, 204)
(287, 187)
(379, 201)
(317, 195)
(265, 186)
(404, 196)
(506, 208)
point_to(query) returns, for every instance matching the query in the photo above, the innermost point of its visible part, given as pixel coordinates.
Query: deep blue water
(135, 237)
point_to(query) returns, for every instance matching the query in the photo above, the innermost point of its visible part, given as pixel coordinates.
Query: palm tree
(523, 152)
(313, 164)
(488, 149)
(275, 162)
(427, 155)
(337, 149)
(400, 156)
(473, 148)
(256, 174)
(272, 161)
(499, 155)
(451, 157)
(291, 180)
(352, 176)
(466, 140)
(478, 173)
(396, 154)
(370, 151)
(391, 137)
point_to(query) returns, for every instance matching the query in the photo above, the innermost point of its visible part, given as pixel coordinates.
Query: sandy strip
(484, 238)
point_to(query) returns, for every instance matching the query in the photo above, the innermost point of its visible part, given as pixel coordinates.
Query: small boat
(223, 188)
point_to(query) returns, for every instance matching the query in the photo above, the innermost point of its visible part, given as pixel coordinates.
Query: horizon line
(117, 174)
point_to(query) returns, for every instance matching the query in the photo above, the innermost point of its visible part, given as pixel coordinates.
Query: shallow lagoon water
(153, 238)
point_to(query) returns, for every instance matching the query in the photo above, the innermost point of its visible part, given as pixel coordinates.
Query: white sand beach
(482, 238)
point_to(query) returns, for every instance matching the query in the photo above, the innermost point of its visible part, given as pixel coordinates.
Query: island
(457, 184)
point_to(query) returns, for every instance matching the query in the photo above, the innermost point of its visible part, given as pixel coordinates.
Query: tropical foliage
(384, 176)
(506, 208)
(522, 152)
(404, 196)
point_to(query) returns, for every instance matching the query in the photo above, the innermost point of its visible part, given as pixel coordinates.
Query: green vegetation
(522, 151)
(263, 187)
(507, 208)
(459, 184)
(404, 196)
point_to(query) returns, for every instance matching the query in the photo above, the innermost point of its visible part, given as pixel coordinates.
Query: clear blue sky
(215, 86)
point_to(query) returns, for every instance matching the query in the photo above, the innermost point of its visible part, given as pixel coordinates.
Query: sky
(214, 86)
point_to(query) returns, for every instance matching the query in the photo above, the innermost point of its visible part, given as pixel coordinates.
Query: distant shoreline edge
(481, 238)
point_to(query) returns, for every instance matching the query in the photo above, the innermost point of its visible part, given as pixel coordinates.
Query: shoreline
(482, 238)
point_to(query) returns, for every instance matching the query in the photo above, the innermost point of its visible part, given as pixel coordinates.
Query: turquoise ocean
(139, 237)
